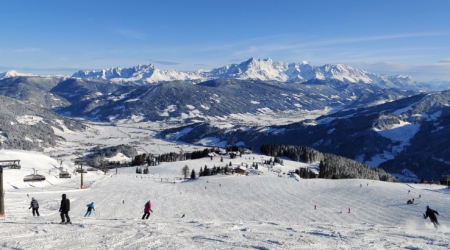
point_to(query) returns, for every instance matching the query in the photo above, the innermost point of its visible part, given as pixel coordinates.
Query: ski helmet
(64, 196)
(428, 207)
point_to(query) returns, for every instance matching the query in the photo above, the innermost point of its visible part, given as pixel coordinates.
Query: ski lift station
(12, 164)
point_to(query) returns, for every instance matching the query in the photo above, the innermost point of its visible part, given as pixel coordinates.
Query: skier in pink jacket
(147, 210)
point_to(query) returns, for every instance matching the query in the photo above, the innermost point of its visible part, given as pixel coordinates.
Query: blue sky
(390, 37)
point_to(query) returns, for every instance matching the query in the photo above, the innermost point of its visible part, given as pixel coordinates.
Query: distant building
(240, 170)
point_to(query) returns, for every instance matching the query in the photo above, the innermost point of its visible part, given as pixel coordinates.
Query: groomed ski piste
(217, 212)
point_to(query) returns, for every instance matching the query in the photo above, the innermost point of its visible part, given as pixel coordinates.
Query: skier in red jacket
(147, 210)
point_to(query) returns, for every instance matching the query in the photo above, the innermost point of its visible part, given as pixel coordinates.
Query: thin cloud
(444, 61)
(53, 70)
(165, 62)
(273, 47)
(20, 50)
(380, 37)
(424, 72)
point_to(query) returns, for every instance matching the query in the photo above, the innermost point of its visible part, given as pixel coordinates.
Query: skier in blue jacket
(90, 208)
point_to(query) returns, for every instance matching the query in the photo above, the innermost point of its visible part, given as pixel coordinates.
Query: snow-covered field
(220, 212)
(139, 135)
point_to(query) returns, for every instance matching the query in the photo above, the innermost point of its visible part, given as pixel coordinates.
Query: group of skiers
(429, 213)
(65, 208)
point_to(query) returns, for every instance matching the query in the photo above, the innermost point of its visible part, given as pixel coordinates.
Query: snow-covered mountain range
(260, 69)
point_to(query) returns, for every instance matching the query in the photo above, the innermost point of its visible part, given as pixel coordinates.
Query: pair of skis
(62, 223)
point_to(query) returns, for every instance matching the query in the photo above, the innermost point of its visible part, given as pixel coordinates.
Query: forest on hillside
(331, 166)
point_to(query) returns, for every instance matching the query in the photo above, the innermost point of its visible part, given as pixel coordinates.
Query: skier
(64, 210)
(431, 213)
(147, 210)
(89, 209)
(409, 202)
(35, 206)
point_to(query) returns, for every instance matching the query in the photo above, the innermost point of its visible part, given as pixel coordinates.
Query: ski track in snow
(225, 212)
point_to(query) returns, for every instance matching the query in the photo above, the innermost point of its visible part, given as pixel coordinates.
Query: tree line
(331, 166)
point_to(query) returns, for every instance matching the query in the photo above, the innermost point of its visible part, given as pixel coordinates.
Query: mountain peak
(260, 69)
(13, 73)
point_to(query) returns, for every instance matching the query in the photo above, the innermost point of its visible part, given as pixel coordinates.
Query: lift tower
(14, 164)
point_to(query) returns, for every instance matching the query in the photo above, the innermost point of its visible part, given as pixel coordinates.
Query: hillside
(222, 99)
(34, 90)
(223, 212)
(28, 127)
(409, 134)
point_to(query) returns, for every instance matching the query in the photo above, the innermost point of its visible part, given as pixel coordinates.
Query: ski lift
(64, 174)
(34, 177)
(79, 170)
(12, 164)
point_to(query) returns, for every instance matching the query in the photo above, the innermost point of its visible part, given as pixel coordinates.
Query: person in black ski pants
(64, 209)
(432, 214)
(35, 206)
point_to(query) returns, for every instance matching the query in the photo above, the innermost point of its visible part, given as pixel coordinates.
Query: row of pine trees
(331, 166)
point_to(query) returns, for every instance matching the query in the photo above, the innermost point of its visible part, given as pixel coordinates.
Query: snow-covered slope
(37, 163)
(224, 212)
(261, 69)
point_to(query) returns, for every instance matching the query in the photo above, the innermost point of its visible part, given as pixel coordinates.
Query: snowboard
(70, 223)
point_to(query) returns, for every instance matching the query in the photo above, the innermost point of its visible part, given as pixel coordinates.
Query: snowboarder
(64, 210)
(409, 202)
(432, 214)
(35, 206)
(147, 210)
(89, 209)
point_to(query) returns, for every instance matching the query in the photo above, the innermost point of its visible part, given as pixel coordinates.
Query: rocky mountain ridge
(252, 69)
